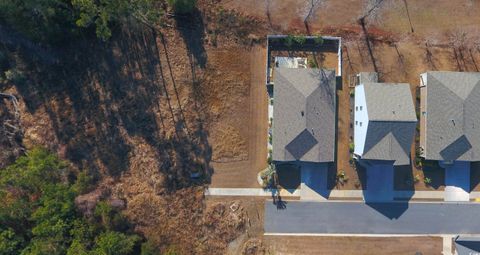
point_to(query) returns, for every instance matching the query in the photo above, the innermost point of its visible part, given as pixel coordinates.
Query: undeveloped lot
(239, 135)
(353, 245)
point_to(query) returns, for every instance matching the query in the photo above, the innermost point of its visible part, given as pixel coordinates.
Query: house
(467, 245)
(450, 126)
(384, 122)
(450, 116)
(304, 115)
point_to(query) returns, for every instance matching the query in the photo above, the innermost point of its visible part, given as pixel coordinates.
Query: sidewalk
(334, 194)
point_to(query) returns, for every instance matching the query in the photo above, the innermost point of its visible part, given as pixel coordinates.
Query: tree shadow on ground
(192, 29)
(101, 96)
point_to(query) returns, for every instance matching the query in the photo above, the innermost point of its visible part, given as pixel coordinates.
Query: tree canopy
(38, 214)
(56, 20)
(183, 6)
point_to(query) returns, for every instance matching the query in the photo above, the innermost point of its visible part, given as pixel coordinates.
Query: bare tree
(313, 5)
(11, 131)
(370, 12)
(408, 15)
(371, 9)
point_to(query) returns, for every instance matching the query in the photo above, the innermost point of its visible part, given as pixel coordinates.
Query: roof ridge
(406, 121)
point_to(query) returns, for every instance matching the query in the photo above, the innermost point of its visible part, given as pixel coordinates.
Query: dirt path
(244, 173)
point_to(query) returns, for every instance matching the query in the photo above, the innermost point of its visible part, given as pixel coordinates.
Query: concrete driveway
(457, 181)
(374, 218)
(379, 186)
(314, 182)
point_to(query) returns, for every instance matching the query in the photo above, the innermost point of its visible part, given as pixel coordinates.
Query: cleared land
(250, 120)
(353, 245)
(445, 37)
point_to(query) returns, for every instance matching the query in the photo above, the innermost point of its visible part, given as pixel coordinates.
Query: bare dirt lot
(353, 245)
(239, 155)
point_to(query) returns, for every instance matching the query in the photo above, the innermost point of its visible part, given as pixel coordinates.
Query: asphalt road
(374, 218)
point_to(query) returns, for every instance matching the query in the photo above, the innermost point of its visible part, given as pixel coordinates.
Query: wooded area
(39, 213)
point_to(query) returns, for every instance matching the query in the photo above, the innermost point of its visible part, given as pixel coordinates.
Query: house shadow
(435, 173)
(404, 182)
(288, 176)
(315, 180)
(474, 175)
(378, 184)
(391, 210)
(404, 179)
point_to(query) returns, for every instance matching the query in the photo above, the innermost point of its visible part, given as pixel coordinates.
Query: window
(356, 122)
(360, 124)
(361, 108)
(356, 108)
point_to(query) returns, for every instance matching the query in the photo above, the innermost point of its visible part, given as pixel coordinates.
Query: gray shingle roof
(392, 122)
(304, 115)
(453, 116)
(466, 245)
(366, 77)
(389, 102)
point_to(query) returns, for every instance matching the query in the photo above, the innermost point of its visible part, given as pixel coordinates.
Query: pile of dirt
(254, 246)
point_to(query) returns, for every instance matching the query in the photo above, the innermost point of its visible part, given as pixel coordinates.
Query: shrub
(312, 63)
(318, 39)
(83, 184)
(300, 39)
(149, 248)
(416, 178)
(342, 177)
(289, 41)
(183, 6)
(171, 251)
(427, 180)
(351, 147)
(15, 76)
(110, 243)
(268, 176)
